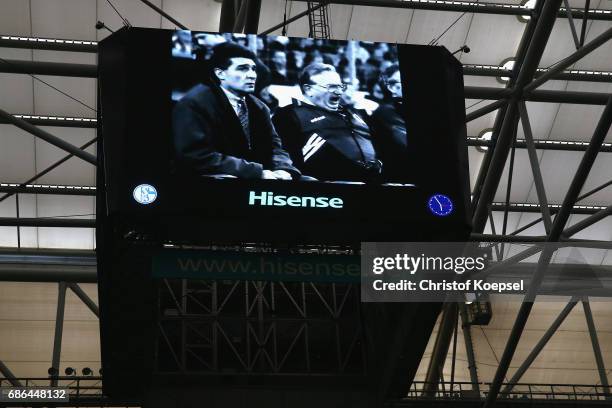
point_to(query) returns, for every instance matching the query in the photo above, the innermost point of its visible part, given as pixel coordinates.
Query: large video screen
(328, 137)
(283, 108)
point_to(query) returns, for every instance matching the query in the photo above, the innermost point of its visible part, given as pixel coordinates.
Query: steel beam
(565, 145)
(56, 121)
(4, 370)
(499, 117)
(48, 68)
(59, 329)
(527, 70)
(252, 17)
(47, 222)
(566, 62)
(32, 189)
(584, 98)
(469, 347)
(540, 346)
(472, 70)
(84, 298)
(467, 7)
(603, 377)
(50, 44)
(557, 228)
(49, 138)
(165, 15)
(535, 167)
(18, 272)
(484, 110)
(240, 16)
(583, 170)
(587, 6)
(440, 349)
(228, 16)
(570, 20)
(587, 222)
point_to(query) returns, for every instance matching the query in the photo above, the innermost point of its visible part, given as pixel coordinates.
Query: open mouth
(334, 100)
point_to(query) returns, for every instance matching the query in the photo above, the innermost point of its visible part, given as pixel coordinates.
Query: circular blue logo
(440, 205)
(144, 194)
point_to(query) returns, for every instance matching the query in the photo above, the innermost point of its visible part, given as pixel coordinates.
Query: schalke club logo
(145, 194)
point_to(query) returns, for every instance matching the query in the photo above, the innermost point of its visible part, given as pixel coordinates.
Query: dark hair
(224, 52)
(311, 70)
(384, 78)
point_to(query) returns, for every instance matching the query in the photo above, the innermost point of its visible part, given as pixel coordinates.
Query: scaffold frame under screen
(208, 137)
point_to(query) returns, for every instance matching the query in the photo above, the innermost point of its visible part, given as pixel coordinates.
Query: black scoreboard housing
(135, 145)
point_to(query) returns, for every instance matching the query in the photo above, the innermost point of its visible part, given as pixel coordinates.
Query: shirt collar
(233, 98)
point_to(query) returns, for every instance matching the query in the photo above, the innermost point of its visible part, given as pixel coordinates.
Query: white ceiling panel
(51, 205)
(340, 16)
(600, 174)
(74, 19)
(136, 12)
(475, 159)
(486, 30)
(200, 15)
(560, 44)
(86, 58)
(271, 14)
(76, 238)
(27, 208)
(601, 58)
(380, 24)
(48, 101)
(299, 28)
(16, 93)
(526, 218)
(521, 178)
(427, 26)
(541, 119)
(577, 122)
(15, 17)
(15, 90)
(488, 81)
(69, 207)
(72, 172)
(16, 154)
(558, 169)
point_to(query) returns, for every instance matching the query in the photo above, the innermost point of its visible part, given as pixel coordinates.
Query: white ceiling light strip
(40, 186)
(47, 40)
(556, 206)
(542, 70)
(549, 142)
(63, 118)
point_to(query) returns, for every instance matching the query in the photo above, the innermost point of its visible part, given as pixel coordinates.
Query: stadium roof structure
(543, 173)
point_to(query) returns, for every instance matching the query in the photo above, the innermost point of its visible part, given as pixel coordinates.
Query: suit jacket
(208, 137)
(390, 140)
(327, 145)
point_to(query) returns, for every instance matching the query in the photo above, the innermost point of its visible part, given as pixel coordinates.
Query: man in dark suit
(326, 140)
(389, 127)
(224, 129)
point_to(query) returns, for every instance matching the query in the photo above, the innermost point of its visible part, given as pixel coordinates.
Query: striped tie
(243, 116)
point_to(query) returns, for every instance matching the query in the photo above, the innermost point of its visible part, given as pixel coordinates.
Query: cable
(125, 21)
(53, 87)
(435, 40)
